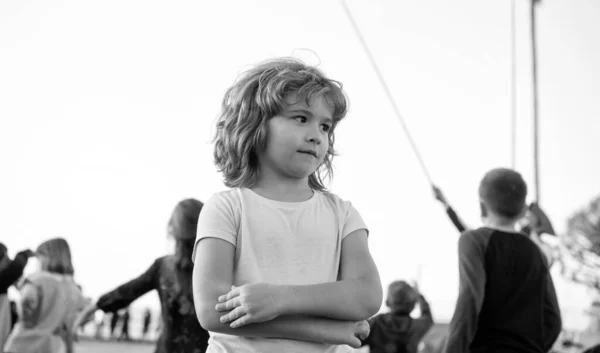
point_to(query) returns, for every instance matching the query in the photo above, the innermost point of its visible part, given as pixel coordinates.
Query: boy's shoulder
(335, 199)
(230, 194)
(475, 241)
(477, 235)
(331, 196)
(477, 231)
(484, 234)
(224, 199)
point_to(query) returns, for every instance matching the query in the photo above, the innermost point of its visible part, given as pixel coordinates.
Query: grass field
(86, 346)
(89, 345)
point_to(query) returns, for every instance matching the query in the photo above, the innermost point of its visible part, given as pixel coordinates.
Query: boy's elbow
(367, 312)
(207, 317)
(372, 308)
(373, 299)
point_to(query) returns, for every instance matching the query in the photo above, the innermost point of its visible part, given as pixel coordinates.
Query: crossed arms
(331, 312)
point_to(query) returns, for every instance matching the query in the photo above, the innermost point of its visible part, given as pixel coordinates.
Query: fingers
(363, 331)
(228, 301)
(242, 321)
(233, 315)
(228, 305)
(355, 342)
(232, 294)
(238, 318)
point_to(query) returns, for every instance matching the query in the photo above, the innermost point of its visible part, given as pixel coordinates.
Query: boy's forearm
(303, 328)
(424, 306)
(353, 300)
(298, 327)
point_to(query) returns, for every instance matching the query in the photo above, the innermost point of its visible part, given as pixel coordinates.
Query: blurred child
(50, 301)
(171, 277)
(10, 271)
(397, 331)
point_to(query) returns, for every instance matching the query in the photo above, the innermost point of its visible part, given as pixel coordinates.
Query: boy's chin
(302, 173)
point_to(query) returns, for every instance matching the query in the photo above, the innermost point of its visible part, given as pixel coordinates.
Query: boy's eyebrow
(309, 113)
(300, 110)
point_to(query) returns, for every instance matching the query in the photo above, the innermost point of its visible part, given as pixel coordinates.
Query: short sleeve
(352, 220)
(219, 219)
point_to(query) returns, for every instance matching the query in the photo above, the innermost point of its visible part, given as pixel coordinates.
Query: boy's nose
(314, 136)
(315, 140)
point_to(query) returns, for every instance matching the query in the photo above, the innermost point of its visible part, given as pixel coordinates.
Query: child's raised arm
(213, 275)
(357, 295)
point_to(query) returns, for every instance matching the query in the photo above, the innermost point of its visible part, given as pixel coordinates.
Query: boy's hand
(437, 193)
(348, 332)
(250, 303)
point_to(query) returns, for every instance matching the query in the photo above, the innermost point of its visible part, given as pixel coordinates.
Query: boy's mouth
(312, 153)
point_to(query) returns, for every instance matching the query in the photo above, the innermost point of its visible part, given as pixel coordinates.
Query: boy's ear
(484, 211)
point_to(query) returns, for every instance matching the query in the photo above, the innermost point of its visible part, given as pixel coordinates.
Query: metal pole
(536, 163)
(513, 96)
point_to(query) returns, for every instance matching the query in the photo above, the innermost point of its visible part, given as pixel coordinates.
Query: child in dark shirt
(396, 331)
(506, 300)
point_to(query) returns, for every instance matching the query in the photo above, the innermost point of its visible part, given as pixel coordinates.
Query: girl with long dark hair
(171, 277)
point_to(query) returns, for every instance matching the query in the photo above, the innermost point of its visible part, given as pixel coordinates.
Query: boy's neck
(500, 223)
(284, 191)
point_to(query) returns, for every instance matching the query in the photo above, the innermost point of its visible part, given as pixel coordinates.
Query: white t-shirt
(284, 243)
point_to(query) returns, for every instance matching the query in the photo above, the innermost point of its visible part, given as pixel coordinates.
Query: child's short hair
(56, 256)
(401, 297)
(503, 191)
(257, 96)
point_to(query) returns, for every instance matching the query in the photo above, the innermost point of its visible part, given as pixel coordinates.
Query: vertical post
(536, 163)
(513, 89)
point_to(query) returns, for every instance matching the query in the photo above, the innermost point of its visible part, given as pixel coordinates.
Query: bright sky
(107, 111)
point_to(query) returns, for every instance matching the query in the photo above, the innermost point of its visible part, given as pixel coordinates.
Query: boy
(396, 331)
(506, 300)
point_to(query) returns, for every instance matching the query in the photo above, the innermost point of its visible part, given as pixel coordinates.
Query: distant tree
(582, 243)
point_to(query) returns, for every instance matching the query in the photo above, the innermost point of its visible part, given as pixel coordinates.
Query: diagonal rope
(387, 91)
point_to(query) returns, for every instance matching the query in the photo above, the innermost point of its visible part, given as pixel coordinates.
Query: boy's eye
(300, 118)
(326, 127)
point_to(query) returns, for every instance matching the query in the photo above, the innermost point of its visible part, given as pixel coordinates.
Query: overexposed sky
(107, 112)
